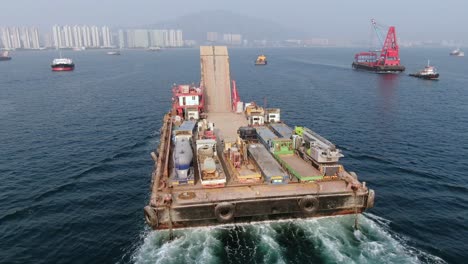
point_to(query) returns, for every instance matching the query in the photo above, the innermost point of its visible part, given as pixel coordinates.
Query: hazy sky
(337, 19)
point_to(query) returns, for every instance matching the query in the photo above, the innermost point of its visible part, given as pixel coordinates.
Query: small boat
(62, 64)
(4, 56)
(428, 73)
(261, 60)
(115, 52)
(457, 52)
(157, 48)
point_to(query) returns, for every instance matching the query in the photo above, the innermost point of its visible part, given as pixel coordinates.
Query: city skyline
(332, 19)
(19, 37)
(77, 36)
(104, 36)
(146, 38)
(88, 36)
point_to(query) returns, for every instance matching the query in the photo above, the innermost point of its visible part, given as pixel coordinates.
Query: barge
(221, 161)
(387, 60)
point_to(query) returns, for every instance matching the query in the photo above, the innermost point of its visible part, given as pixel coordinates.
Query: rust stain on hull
(257, 219)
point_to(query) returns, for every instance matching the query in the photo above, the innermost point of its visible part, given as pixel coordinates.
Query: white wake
(326, 240)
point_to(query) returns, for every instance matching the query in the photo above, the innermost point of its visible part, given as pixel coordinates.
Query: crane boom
(377, 32)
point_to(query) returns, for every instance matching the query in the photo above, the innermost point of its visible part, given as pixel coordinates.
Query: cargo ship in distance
(221, 161)
(387, 60)
(62, 64)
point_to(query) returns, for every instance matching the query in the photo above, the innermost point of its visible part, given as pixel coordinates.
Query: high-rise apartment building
(122, 39)
(157, 38)
(19, 38)
(6, 38)
(165, 34)
(68, 36)
(95, 37)
(35, 44)
(232, 39)
(172, 38)
(179, 38)
(236, 39)
(48, 40)
(57, 35)
(77, 36)
(141, 38)
(106, 37)
(25, 38)
(15, 38)
(130, 36)
(81, 36)
(86, 36)
(212, 36)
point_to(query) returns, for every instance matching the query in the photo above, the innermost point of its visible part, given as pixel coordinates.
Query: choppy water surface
(75, 166)
(325, 240)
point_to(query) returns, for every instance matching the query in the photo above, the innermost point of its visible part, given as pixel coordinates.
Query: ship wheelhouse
(188, 101)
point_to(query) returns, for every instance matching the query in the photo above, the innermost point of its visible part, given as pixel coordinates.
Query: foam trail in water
(337, 242)
(189, 246)
(323, 240)
(319, 63)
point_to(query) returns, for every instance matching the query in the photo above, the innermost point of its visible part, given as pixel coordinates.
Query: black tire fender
(309, 204)
(151, 217)
(224, 212)
(370, 199)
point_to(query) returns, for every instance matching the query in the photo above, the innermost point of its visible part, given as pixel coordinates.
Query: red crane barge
(386, 60)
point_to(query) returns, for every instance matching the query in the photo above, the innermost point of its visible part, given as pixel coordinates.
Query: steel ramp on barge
(216, 78)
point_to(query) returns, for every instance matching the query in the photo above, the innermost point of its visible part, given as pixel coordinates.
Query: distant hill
(196, 25)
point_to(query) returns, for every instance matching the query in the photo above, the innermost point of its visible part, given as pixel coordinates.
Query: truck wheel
(309, 204)
(151, 217)
(224, 212)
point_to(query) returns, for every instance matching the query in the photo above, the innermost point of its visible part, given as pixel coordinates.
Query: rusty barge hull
(194, 206)
(256, 209)
(185, 206)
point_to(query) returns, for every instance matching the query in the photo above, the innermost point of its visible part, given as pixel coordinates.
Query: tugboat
(457, 52)
(388, 61)
(428, 73)
(4, 56)
(261, 60)
(62, 64)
